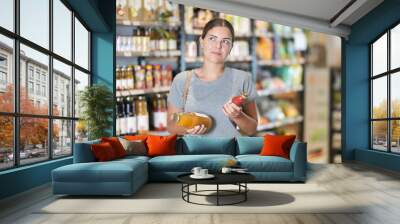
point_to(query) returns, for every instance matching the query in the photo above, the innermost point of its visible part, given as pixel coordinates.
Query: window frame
(15, 68)
(388, 74)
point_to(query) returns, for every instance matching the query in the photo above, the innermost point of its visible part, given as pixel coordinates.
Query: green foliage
(380, 127)
(97, 103)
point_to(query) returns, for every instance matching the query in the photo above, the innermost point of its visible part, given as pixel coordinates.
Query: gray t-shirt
(208, 97)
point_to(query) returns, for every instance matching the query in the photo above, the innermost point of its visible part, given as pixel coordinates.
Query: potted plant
(97, 103)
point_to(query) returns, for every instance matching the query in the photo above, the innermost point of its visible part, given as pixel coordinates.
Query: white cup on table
(226, 170)
(196, 170)
(203, 172)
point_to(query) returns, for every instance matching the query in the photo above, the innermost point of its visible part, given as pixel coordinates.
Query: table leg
(196, 188)
(245, 191)
(217, 194)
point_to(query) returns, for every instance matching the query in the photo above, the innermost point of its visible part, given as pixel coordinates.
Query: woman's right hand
(197, 130)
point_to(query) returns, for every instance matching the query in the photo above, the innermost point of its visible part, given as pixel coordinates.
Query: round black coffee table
(238, 179)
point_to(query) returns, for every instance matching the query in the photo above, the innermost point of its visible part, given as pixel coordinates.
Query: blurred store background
(296, 72)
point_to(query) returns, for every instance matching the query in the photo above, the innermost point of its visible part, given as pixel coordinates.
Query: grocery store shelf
(268, 92)
(199, 32)
(174, 53)
(142, 91)
(271, 35)
(281, 123)
(284, 62)
(149, 24)
(245, 59)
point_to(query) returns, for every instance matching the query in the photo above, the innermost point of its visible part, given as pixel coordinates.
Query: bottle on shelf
(169, 75)
(142, 15)
(118, 78)
(130, 106)
(163, 41)
(121, 117)
(142, 115)
(159, 113)
(157, 76)
(123, 79)
(172, 41)
(146, 41)
(117, 120)
(174, 9)
(153, 42)
(134, 7)
(122, 12)
(140, 77)
(149, 77)
(130, 79)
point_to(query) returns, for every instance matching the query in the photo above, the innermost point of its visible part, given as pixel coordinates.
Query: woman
(211, 87)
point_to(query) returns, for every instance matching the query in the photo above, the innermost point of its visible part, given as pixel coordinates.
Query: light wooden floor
(378, 189)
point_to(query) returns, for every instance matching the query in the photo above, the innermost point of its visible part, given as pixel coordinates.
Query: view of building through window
(34, 142)
(385, 93)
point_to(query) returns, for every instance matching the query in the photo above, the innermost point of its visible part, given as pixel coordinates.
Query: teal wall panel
(99, 16)
(356, 101)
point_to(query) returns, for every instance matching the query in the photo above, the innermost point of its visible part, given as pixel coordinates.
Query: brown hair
(218, 22)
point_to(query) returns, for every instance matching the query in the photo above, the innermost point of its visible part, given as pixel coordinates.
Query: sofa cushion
(83, 152)
(135, 147)
(249, 145)
(195, 145)
(111, 171)
(185, 163)
(277, 145)
(161, 145)
(103, 152)
(116, 145)
(257, 163)
(136, 137)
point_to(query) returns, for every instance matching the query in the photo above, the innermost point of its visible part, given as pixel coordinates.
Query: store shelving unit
(335, 116)
(251, 62)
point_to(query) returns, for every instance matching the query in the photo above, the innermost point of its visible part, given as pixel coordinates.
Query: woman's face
(217, 44)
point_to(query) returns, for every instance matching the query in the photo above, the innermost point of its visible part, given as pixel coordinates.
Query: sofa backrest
(253, 145)
(83, 152)
(192, 145)
(249, 145)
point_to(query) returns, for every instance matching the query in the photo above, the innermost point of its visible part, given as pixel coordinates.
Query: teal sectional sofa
(125, 176)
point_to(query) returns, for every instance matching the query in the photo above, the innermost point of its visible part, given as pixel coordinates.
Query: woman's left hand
(232, 110)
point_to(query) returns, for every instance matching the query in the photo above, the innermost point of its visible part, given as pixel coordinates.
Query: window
(41, 83)
(7, 89)
(44, 91)
(30, 88)
(3, 78)
(35, 22)
(62, 74)
(7, 14)
(3, 61)
(385, 94)
(3, 72)
(62, 29)
(81, 45)
(30, 73)
(37, 74)
(38, 89)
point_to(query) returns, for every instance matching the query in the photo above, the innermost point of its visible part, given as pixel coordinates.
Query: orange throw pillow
(135, 137)
(116, 145)
(103, 151)
(161, 145)
(277, 145)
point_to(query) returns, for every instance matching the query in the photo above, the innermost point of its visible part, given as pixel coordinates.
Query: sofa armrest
(83, 152)
(298, 155)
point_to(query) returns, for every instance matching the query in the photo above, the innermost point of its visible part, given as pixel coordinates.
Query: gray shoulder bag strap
(186, 88)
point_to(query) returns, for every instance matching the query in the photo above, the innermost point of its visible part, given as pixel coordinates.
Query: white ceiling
(315, 15)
